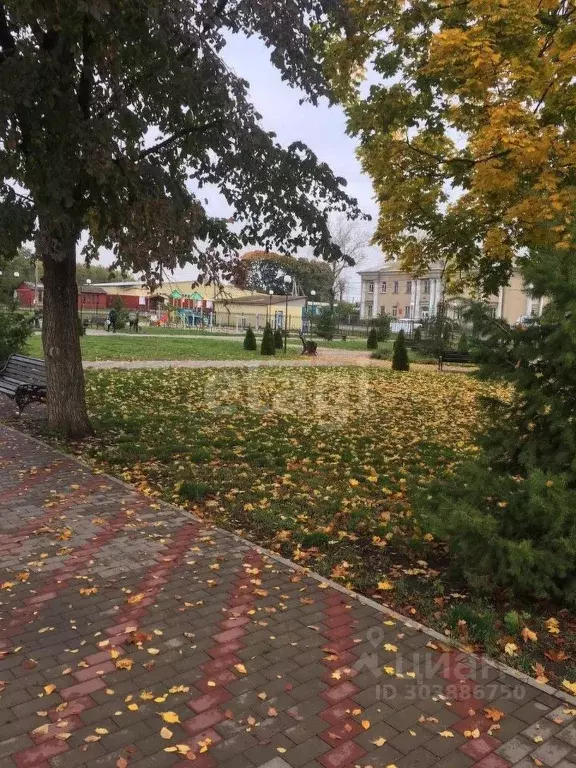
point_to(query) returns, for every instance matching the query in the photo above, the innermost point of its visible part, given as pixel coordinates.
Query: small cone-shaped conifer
(400, 357)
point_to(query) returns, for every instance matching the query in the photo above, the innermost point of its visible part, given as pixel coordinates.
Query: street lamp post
(312, 294)
(269, 315)
(88, 282)
(287, 281)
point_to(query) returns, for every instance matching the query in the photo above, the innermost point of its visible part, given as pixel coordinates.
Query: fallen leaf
(529, 635)
(379, 742)
(510, 649)
(169, 717)
(475, 734)
(385, 586)
(166, 733)
(569, 686)
(50, 688)
(365, 724)
(240, 668)
(121, 762)
(493, 714)
(446, 734)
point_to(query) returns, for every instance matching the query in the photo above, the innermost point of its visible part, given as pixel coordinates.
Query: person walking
(112, 319)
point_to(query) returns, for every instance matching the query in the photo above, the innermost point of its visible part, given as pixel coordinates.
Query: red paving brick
(242, 654)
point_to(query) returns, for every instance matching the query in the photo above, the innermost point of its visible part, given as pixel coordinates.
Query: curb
(383, 609)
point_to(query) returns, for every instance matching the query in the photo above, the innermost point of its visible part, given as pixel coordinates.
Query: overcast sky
(322, 128)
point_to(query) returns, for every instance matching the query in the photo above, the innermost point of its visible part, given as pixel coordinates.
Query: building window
(407, 311)
(394, 311)
(383, 287)
(370, 287)
(368, 310)
(396, 286)
(426, 286)
(408, 286)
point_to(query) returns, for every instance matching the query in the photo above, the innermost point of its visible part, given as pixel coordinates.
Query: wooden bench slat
(23, 379)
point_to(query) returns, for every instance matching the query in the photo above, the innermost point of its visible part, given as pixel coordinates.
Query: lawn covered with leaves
(142, 347)
(321, 465)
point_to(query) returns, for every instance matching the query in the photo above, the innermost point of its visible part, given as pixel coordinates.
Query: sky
(323, 128)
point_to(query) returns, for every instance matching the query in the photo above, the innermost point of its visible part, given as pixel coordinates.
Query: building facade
(390, 290)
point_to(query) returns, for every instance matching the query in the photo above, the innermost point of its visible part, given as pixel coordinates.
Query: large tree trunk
(67, 413)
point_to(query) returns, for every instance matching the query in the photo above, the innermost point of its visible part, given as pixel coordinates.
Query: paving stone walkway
(134, 635)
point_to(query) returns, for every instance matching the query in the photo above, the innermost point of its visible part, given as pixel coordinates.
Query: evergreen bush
(250, 340)
(326, 324)
(267, 346)
(400, 360)
(372, 341)
(509, 516)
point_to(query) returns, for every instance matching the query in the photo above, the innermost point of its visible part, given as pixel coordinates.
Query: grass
(319, 464)
(119, 347)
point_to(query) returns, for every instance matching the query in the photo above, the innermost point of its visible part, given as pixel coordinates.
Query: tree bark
(67, 414)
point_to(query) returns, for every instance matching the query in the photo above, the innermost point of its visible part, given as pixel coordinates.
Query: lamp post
(269, 316)
(88, 282)
(312, 294)
(287, 281)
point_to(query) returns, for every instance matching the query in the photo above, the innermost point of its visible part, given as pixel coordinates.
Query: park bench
(308, 347)
(452, 356)
(96, 321)
(24, 380)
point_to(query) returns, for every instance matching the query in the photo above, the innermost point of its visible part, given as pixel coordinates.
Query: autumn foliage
(468, 127)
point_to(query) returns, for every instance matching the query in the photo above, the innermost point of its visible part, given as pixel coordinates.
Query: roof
(395, 266)
(260, 299)
(90, 289)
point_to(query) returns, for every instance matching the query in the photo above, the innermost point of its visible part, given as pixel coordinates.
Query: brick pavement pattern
(133, 634)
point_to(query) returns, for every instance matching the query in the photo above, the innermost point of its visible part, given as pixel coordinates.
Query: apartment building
(390, 290)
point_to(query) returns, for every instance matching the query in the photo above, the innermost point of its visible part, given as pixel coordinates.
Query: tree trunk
(67, 413)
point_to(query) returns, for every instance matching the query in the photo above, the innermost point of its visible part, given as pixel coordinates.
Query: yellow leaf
(379, 742)
(62, 736)
(529, 635)
(101, 731)
(510, 649)
(166, 733)
(50, 688)
(124, 664)
(475, 734)
(240, 668)
(365, 724)
(169, 717)
(132, 707)
(135, 599)
(390, 647)
(93, 737)
(553, 626)
(280, 749)
(569, 686)
(447, 734)
(385, 585)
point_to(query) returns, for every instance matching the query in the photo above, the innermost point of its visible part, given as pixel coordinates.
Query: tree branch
(176, 136)
(467, 160)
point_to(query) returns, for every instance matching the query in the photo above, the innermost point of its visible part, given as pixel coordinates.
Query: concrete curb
(383, 609)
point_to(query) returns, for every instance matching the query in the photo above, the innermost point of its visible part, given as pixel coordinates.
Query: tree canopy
(114, 116)
(112, 111)
(265, 271)
(468, 125)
